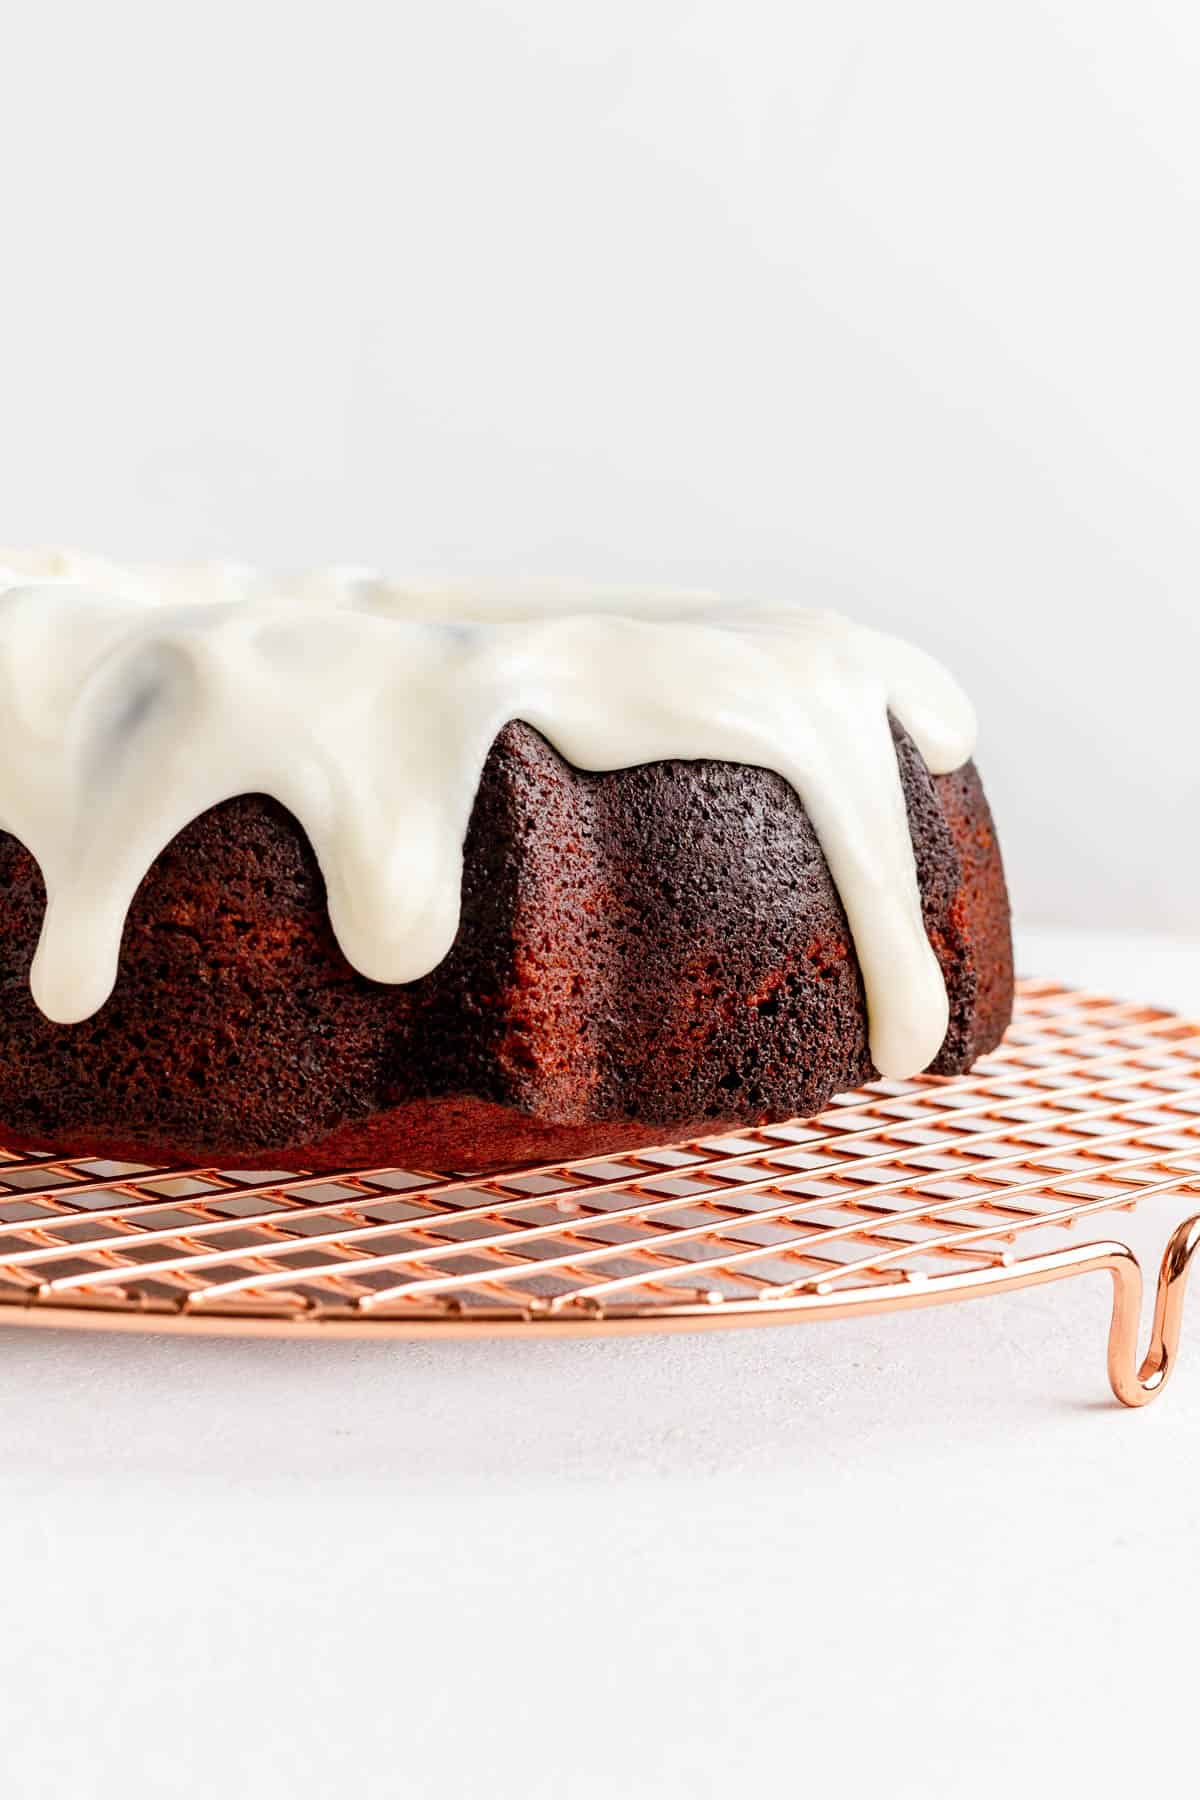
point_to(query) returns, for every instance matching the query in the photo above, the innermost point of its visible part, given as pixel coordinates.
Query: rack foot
(1134, 1383)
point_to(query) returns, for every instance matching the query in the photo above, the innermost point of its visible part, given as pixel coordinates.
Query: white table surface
(915, 1556)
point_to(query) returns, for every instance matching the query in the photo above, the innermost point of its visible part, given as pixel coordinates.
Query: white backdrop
(891, 305)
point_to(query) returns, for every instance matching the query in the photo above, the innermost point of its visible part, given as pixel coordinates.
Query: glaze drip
(133, 700)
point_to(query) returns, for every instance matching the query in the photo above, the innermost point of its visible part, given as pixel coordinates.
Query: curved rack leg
(1133, 1383)
(1137, 1384)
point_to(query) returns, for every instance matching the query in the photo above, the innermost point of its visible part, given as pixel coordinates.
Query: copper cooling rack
(902, 1194)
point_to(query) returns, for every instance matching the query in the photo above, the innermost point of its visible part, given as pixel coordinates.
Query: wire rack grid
(902, 1194)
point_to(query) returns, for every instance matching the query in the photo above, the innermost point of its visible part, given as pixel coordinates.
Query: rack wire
(905, 1193)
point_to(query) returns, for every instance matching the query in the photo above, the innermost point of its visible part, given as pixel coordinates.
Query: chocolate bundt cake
(243, 954)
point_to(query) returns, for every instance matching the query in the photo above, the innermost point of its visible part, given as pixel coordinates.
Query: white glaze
(132, 700)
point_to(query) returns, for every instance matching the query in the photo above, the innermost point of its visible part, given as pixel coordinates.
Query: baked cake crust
(644, 955)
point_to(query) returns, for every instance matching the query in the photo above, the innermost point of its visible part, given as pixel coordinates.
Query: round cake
(333, 872)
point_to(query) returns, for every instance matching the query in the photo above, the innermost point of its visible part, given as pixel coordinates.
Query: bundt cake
(333, 873)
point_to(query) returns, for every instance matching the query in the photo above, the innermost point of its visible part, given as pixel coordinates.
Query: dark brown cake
(643, 955)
